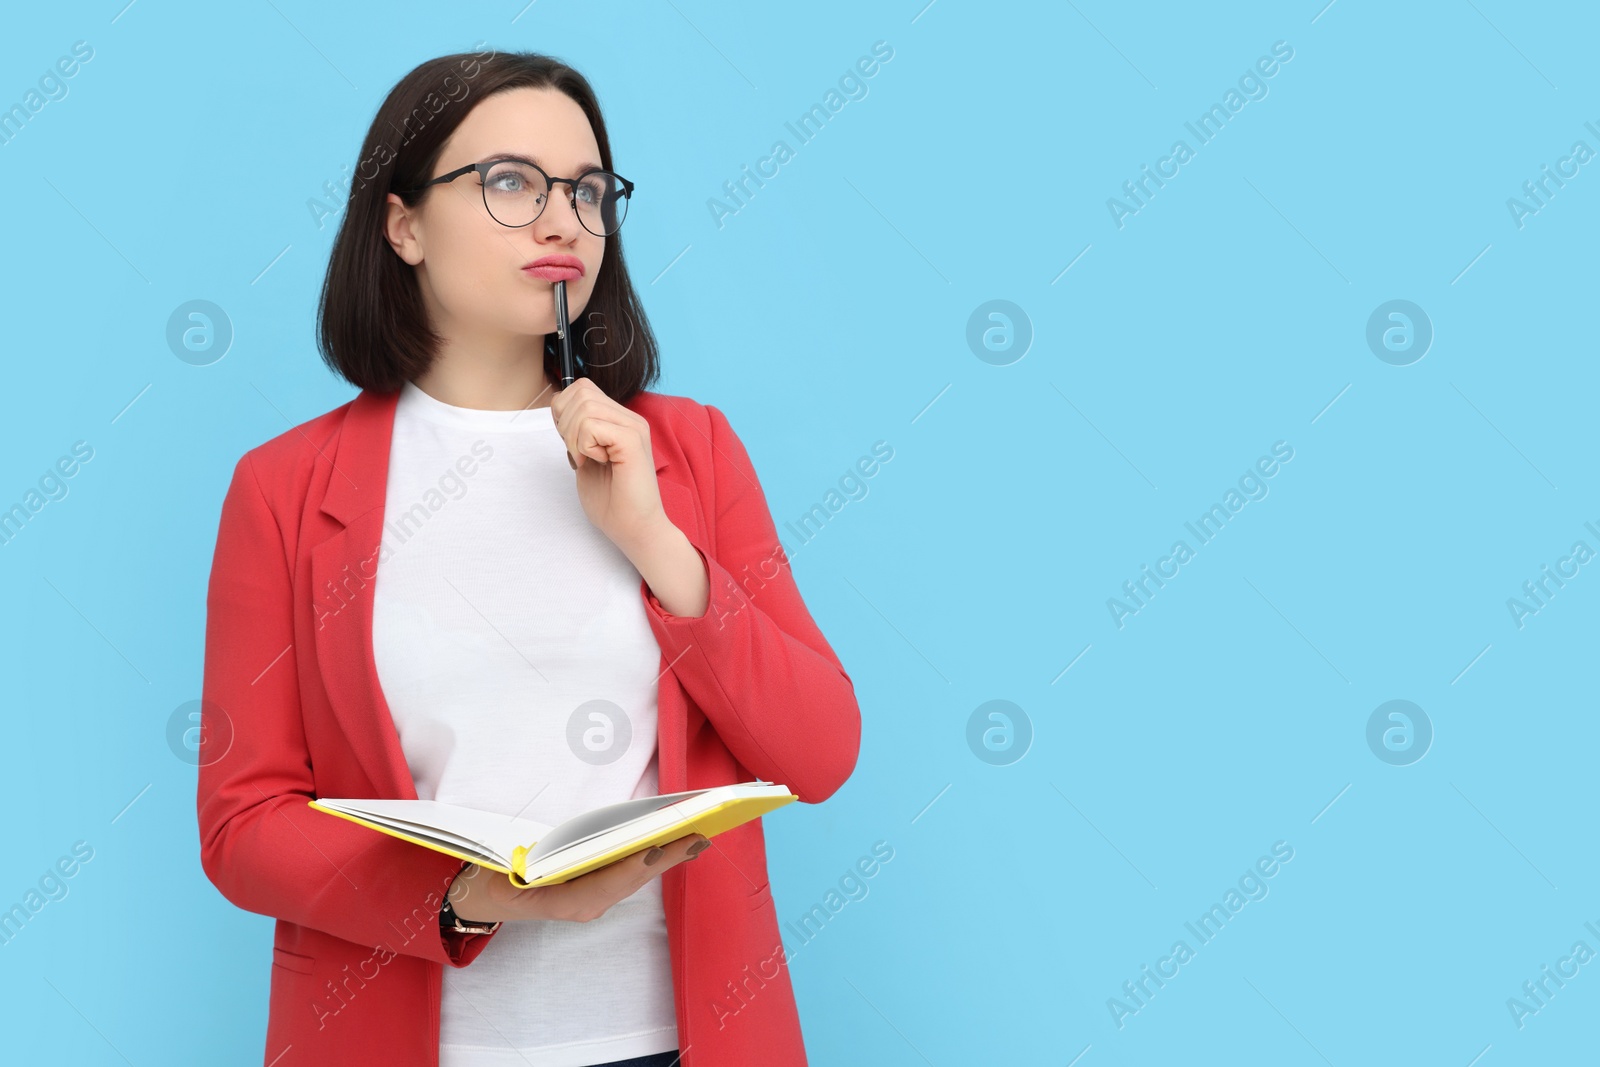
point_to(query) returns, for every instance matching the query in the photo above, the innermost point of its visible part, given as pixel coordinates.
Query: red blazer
(292, 709)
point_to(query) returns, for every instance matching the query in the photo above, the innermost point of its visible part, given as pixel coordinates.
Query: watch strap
(449, 920)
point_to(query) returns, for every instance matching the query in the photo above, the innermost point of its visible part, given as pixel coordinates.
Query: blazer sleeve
(260, 845)
(755, 661)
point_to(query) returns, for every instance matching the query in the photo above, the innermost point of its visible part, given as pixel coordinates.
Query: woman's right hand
(482, 895)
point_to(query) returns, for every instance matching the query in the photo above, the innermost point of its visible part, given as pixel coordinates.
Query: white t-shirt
(513, 649)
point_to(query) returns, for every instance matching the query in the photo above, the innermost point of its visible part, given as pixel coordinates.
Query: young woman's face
(470, 267)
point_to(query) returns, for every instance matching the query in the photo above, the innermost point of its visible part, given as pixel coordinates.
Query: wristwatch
(449, 920)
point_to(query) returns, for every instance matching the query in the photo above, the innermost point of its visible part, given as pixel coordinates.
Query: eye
(513, 179)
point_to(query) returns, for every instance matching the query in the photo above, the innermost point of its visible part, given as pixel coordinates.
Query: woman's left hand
(615, 467)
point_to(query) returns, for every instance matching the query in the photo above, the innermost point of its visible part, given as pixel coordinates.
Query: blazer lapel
(344, 570)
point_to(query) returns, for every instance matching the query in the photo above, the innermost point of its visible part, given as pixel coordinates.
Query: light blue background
(831, 313)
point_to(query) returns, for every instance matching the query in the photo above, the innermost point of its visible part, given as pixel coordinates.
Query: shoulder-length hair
(372, 327)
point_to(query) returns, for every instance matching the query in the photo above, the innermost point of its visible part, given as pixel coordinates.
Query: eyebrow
(582, 167)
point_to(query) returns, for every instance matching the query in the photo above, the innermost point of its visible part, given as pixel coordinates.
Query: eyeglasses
(515, 193)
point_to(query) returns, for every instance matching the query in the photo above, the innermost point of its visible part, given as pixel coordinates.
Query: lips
(555, 268)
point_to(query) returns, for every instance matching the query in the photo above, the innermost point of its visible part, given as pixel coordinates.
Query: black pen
(569, 369)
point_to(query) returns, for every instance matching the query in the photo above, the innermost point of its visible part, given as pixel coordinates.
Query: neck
(507, 381)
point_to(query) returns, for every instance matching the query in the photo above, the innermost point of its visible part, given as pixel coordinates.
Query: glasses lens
(514, 193)
(601, 203)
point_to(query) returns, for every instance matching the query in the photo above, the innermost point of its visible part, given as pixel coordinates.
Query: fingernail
(698, 847)
(653, 855)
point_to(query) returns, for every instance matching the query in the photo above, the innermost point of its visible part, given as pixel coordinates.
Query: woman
(471, 586)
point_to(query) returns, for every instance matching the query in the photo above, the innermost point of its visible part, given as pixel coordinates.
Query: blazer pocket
(759, 897)
(292, 961)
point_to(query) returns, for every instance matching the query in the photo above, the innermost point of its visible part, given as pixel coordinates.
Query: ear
(401, 228)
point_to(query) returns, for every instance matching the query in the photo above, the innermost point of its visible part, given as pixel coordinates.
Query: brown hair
(372, 327)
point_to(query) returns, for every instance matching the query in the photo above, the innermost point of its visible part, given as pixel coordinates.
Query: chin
(577, 303)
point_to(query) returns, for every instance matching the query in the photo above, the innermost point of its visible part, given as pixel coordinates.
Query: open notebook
(531, 853)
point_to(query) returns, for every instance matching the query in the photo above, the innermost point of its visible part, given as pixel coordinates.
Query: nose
(559, 219)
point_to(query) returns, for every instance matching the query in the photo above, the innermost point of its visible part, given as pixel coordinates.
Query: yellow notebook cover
(724, 815)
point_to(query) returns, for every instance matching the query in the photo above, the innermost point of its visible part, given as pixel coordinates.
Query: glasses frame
(571, 183)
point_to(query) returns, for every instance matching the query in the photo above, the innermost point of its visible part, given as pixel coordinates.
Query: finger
(569, 424)
(605, 440)
(579, 404)
(653, 861)
(559, 401)
(599, 440)
(566, 400)
(676, 851)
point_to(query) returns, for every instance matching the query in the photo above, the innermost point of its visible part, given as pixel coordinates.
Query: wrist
(451, 922)
(648, 539)
(675, 573)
